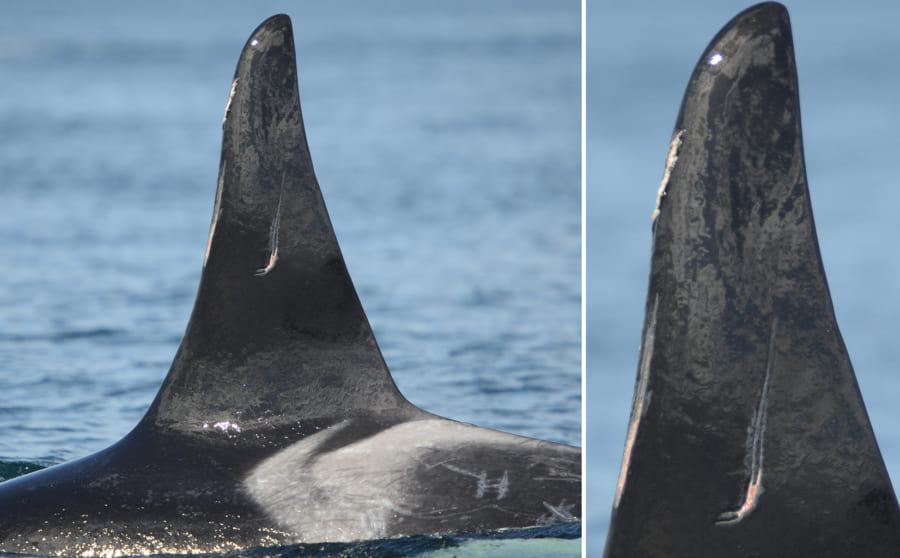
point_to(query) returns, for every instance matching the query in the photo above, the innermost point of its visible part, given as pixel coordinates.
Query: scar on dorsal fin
(756, 435)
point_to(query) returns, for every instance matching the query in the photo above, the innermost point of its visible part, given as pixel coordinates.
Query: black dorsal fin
(277, 337)
(748, 433)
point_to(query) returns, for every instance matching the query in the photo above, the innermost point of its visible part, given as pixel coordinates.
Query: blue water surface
(446, 139)
(640, 56)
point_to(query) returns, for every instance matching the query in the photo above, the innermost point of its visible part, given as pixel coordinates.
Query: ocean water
(639, 58)
(446, 138)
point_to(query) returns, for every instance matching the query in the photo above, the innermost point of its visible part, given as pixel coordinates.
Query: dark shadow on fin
(749, 436)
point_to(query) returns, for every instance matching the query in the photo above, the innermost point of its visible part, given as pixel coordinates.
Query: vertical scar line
(273, 236)
(755, 444)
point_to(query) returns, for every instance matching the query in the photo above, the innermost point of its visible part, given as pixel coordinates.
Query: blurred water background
(446, 138)
(640, 56)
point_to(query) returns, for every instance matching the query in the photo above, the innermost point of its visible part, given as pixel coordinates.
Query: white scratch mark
(563, 478)
(230, 97)
(755, 437)
(561, 511)
(671, 159)
(483, 485)
(640, 402)
(273, 236)
(503, 487)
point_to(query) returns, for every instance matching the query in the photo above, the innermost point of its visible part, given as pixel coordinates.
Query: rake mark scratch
(273, 237)
(755, 437)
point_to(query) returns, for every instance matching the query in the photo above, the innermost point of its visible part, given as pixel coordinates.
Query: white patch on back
(359, 490)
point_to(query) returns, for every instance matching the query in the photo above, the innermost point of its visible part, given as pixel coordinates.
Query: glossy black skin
(267, 360)
(737, 295)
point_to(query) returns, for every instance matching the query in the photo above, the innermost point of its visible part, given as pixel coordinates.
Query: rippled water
(640, 56)
(446, 138)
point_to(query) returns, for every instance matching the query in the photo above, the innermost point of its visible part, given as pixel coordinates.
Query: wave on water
(62, 336)
(553, 540)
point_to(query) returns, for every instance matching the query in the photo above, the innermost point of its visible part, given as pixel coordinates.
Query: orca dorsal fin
(278, 337)
(748, 433)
